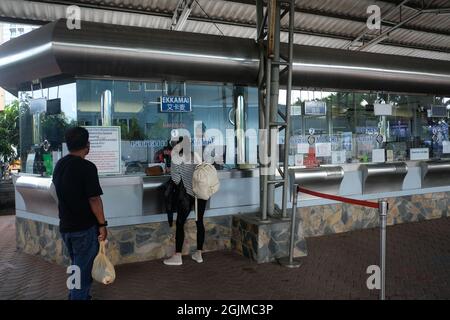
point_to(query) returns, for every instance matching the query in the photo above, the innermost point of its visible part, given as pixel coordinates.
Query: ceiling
(417, 28)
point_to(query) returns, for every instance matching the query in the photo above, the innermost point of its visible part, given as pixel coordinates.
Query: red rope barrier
(338, 198)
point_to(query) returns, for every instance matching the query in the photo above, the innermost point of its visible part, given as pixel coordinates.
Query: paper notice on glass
(105, 149)
(338, 157)
(445, 146)
(30, 163)
(299, 159)
(378, 155)
(382, 109)
(302, 148)
(296, 110)
(323, 149)
(390, 155)
(419, 154)
(292, 160)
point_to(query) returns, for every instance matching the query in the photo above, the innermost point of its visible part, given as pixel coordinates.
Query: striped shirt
(183, 172)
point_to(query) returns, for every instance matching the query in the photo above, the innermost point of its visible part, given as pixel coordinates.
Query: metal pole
(274, 49)
(289, 261)
(259, 17)
(383, 208)
(266, 150)
(287, 133)
(262, 124)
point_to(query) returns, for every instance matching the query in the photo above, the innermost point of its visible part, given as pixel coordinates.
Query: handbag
(170, 200)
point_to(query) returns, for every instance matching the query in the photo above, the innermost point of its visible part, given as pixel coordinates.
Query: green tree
(134, 132)
(54, 128)
(9, 131)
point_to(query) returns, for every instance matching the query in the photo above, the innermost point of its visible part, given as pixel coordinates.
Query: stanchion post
(383, 209)
(289, 261)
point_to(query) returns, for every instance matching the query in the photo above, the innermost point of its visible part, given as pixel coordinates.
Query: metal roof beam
(353, 18)
(326, 14)
(366, 30)
(386, 33)
(181, 13)
(249, 25)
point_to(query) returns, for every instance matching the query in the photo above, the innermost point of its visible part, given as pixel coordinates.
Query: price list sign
(105, 151)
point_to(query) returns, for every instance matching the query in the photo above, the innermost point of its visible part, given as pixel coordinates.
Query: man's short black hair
(77, 138)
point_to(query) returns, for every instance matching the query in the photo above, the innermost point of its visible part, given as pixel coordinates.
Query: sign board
(296, 110)
(445, 146)
(316, 108)
(437, 111)
(323, 149)
(302, 148)
(30, 162)
(378, 155)
(419, 154)
(382, 109)
(291, 160)
(298, 159)
(176, 104)
(389, 155)
(338, 157)
(347, 141)
(105, 151)
(380, 138)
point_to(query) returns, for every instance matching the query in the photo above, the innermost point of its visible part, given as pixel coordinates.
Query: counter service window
(146, 126)
(358, 127)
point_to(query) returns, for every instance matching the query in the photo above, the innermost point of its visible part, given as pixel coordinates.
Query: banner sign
(176, 104)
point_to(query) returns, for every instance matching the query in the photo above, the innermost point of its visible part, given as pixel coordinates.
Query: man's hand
(103, 233)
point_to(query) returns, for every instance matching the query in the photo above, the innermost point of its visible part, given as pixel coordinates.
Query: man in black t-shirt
(81, 218)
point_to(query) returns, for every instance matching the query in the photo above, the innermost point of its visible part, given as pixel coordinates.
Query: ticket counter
(346, 116)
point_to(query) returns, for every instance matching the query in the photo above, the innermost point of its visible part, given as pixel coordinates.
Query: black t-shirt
(76, 180)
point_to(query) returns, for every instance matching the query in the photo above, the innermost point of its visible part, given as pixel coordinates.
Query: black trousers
(181, 220)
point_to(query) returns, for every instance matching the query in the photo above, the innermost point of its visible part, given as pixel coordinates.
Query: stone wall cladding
(264, 242)
(242, 232)
(342, 217)
(126, 244)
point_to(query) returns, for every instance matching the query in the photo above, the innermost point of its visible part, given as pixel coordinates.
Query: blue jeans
(83, 248)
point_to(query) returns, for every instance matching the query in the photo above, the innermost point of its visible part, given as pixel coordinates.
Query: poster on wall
(105, 151)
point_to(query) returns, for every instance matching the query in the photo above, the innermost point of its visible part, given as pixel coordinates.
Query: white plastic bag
(103, 270)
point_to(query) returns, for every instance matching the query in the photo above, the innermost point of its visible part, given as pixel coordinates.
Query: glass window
(38, 125)
(353, 130)
(146, 130)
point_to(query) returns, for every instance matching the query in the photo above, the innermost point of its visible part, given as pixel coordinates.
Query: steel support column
(273, 65)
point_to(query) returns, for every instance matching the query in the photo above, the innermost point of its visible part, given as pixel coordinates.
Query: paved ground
(418, 267)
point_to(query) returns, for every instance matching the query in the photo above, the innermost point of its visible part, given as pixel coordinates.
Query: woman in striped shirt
(181, 174)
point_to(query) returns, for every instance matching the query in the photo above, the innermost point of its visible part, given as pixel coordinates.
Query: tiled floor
(418, 267)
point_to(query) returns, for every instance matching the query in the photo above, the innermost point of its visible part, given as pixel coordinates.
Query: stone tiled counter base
(127, 244)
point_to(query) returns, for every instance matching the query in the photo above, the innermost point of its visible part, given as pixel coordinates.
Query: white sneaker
(174, 260)
(197, 256)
